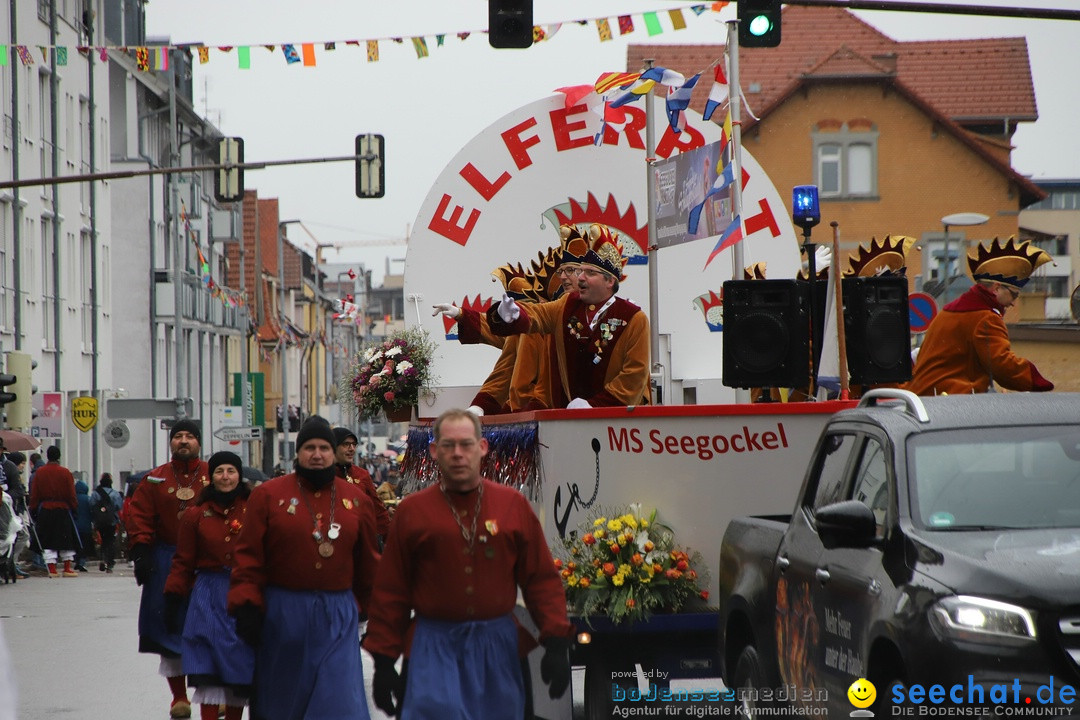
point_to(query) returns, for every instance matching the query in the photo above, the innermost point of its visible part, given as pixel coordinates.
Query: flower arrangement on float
(388, 376)
(626, 565)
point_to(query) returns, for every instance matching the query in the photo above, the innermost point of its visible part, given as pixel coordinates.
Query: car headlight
(981, 620)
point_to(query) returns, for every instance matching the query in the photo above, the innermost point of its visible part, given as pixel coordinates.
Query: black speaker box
(766, 334)
(878, 330)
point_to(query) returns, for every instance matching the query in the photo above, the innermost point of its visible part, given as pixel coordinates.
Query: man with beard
(153, 521)
(305, 565)
(345, 442)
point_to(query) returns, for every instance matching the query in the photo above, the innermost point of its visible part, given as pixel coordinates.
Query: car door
(799, 621)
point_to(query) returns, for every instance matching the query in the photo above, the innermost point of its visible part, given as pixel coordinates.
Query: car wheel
(883, 703)
(749, 680)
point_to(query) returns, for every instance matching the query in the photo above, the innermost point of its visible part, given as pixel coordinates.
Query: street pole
(245, 391)
(174, 231)
(742, 395)
(284, 344)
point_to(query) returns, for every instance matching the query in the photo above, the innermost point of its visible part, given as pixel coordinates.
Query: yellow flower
(599, 533)
(629, 521)
(599, 521)
(618, 579)
(572, 580)
(614, 525)
(646, 578)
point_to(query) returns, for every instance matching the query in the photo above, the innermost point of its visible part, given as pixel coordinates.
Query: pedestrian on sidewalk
(217, 663)
(52, 503)
(153, 522)
(304, 569)
(105, 506)
(83, 525)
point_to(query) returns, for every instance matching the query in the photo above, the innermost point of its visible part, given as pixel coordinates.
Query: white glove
(508, 309)
(476, 410)
(578, 403)
(822, 259)
(448, 309)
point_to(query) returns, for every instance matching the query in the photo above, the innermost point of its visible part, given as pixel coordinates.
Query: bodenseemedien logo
(862, 695)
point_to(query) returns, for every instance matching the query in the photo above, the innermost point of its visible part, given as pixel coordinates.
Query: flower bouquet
(388, 376)
(625, 565)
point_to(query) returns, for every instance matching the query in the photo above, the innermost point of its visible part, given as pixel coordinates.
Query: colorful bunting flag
(104, 55)
(603, 28)
(243, 57)
(373, 51)
(142, 58)
(611, 80)
(420, 45)
(439, 39)
(678, 100)
(678, 22)
(61, 55)
(204, 55)
(3, 55)
(24, 55)
(698, 9)
(626, 24)
(718, 93)
(308, 50)
(161, 58)
(291, 56)
(652, 24)
(732, 235)
(329, 46)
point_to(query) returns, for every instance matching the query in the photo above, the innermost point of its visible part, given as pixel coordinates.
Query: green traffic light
(760, 25)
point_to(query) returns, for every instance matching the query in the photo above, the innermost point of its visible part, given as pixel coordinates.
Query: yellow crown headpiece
(605, 251)
(1009, 262)
(882, 257)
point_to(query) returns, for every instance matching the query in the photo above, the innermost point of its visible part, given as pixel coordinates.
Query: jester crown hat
(1009, 262)
(573, 245)
(605, 251)
(883, 257)
(520, 284)
(755, 271)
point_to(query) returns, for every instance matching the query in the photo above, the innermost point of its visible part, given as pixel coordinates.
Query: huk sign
(84, 413)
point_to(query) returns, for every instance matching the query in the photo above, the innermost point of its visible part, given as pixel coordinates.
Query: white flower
(371, 355)
(393, 351)
(403, 366)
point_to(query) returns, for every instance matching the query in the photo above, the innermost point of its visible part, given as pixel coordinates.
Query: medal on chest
(325, 543)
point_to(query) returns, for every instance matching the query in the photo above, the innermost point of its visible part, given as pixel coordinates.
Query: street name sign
(241, 434)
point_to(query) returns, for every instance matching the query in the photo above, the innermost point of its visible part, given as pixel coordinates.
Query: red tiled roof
(967, 80)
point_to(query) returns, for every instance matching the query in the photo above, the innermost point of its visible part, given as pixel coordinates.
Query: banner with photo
(682, 183)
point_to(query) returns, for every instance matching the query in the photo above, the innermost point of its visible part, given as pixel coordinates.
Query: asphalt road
(74, 644)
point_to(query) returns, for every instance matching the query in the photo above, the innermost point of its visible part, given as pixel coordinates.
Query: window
(831, 474)
(845, 162)
(872, 484)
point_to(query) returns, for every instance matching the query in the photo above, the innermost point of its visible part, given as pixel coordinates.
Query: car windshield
(996, 478)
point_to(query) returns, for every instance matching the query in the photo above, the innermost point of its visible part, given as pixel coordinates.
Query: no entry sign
(921, 310)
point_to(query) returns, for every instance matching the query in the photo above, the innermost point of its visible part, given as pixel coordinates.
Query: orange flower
(636, 559)
(630, 602)
(609, 569)
(704, 594)
(673, 574)
(572, 565)
(589, 539)
(657, 567)
(566, 573)
(691, 574)
(649, 546)
(558, 563)
(614, 549)
(682, 565)
(584, 582)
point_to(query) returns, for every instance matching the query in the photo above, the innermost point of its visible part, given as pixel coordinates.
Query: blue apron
(153, 637)
(211, 650)
(464, 671)
(308, 666)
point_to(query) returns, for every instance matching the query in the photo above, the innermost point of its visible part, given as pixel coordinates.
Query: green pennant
(243, 57)
(3, 56)
(652, 24)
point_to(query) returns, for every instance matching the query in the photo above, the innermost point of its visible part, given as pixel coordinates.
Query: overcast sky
(428, 108)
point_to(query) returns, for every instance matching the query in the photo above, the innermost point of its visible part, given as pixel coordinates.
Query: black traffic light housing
(759, 23)
(370, 166)
(510, 23)
(5, 396)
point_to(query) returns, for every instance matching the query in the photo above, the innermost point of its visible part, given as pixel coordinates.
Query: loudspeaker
(766, 334)
(878, 329)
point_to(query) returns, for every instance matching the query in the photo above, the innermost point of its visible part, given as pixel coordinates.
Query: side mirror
(846, 524)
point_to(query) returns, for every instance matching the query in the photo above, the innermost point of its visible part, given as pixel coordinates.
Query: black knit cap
(225, 457)
(314, 428)
(342, 434)
(186, 425)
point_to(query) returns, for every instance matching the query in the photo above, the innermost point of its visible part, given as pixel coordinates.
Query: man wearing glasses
(345, 442)
(457, 553)
(601, 341)
(967, 347)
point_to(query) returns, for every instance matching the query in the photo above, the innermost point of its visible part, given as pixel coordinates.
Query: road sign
(921, 310)
(117, 434)
(241, 434)
(133, 408)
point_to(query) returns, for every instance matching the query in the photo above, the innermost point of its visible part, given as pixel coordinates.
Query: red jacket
(207, 541)
(154, 513)
(362, 478)
(53, 488)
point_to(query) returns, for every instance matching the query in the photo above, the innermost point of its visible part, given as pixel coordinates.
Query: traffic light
(21, 366)
(5, 396)
(229, 181)
(510, 23)
(759, 23)
(370, 168)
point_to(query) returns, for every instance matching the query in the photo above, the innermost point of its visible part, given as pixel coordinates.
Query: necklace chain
(470, 534)
(311, 511)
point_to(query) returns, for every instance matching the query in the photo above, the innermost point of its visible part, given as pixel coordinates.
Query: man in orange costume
(967, 347)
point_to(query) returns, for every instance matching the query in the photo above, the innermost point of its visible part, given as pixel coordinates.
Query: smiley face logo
(862, 693)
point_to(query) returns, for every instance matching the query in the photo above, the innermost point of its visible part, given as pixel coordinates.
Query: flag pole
(742, 395)
(657, 374)
(841, 333)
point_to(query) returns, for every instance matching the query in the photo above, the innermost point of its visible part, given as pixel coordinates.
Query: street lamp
(961, 219)
(284, 344)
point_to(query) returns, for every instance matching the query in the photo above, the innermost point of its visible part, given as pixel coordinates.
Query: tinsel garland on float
(513, 459)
